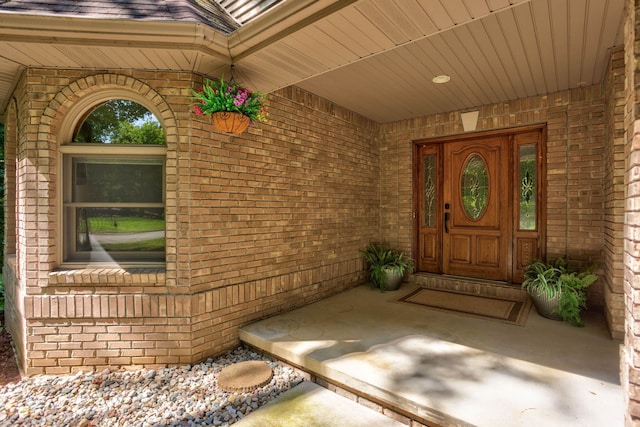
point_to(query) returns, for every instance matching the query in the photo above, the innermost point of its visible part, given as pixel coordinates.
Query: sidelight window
(430, 189)
(528, 187)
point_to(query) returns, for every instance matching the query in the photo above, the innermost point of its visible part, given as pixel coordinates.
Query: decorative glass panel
(429, 165)
(475, 187)
(528, 189)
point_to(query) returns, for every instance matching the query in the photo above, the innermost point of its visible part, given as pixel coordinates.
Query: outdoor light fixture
(442, 78)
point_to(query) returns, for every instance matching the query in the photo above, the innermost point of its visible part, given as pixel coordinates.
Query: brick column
(630, 358)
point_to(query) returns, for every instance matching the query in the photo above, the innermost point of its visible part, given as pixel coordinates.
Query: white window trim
(66, 148)
(66, 154)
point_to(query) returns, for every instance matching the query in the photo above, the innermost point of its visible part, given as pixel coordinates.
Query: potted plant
(231, 106)
(386, 266)
(558, 292)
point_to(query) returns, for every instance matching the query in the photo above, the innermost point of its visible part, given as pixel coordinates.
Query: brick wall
(278, 213)
(629, 355)
(576, 142)
(255, 225)
(15, 230)
(266, 221)
(614, 193)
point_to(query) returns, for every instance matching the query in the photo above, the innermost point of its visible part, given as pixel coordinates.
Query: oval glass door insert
(474, 187)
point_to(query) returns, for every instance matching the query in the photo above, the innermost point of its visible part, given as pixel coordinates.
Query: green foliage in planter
(215, 96)
(543, 279)
(573, 298)
(381, 258)
(556, 279)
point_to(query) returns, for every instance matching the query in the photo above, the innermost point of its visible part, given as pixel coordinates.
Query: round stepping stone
(245, 376)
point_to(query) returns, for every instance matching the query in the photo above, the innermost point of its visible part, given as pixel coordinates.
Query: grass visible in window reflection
(151, 245)
(99, 225)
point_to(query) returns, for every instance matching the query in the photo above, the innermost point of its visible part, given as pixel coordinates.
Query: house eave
(285, 20)
(36, 41)
(68, 30)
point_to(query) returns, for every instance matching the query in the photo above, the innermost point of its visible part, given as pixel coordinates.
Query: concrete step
(470, 286)
(310, 405)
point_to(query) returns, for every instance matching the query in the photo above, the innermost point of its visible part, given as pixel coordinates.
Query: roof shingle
(150, 10)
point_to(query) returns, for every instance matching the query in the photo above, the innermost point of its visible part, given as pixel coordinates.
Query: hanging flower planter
(229, 122)
(231, 106)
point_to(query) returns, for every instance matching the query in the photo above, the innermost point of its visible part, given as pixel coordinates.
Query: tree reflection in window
(475, 187)
(119, 121)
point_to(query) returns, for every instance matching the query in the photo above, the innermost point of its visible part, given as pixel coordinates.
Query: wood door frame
(539, 235)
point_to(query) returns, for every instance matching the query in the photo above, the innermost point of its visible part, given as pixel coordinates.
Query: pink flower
(197, 110)
(240, 98)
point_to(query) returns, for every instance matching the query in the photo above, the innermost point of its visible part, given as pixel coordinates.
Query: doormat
(481, 306)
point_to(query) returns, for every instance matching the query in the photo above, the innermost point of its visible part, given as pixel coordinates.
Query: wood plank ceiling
(375, 57)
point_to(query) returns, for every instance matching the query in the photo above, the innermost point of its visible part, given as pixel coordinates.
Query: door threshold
(470, 285)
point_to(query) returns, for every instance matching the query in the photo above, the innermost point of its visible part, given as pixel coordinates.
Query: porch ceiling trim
(374, 57)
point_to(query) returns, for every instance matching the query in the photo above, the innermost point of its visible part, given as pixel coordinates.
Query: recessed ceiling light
(443, 78)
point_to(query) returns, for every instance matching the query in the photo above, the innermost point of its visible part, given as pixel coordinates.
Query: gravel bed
(178, 396)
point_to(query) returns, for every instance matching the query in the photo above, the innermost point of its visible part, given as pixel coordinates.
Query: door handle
(446, 218)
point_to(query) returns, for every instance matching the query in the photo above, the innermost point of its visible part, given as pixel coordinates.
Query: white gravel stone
(179, 396)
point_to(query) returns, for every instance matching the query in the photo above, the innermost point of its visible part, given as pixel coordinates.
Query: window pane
(528, 189)
(120, 121)
(120, 233)
(117, 180)
(475, 187)
(429, 191)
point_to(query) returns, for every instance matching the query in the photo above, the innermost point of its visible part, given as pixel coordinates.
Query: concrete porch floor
(449, 369)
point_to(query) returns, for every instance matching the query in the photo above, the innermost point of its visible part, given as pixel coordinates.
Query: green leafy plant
(573, 298)
(543, 279)
(1, 294)
(381, 259)
(1, 301)
(556, 279)
(229, 96)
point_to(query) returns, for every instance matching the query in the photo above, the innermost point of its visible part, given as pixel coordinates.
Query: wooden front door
(479, 205)
(476, 208)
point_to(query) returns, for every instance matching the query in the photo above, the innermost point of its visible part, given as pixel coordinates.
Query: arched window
(113, 186)
(119, 121)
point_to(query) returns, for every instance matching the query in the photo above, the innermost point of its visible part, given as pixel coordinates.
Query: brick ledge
(108, 276)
